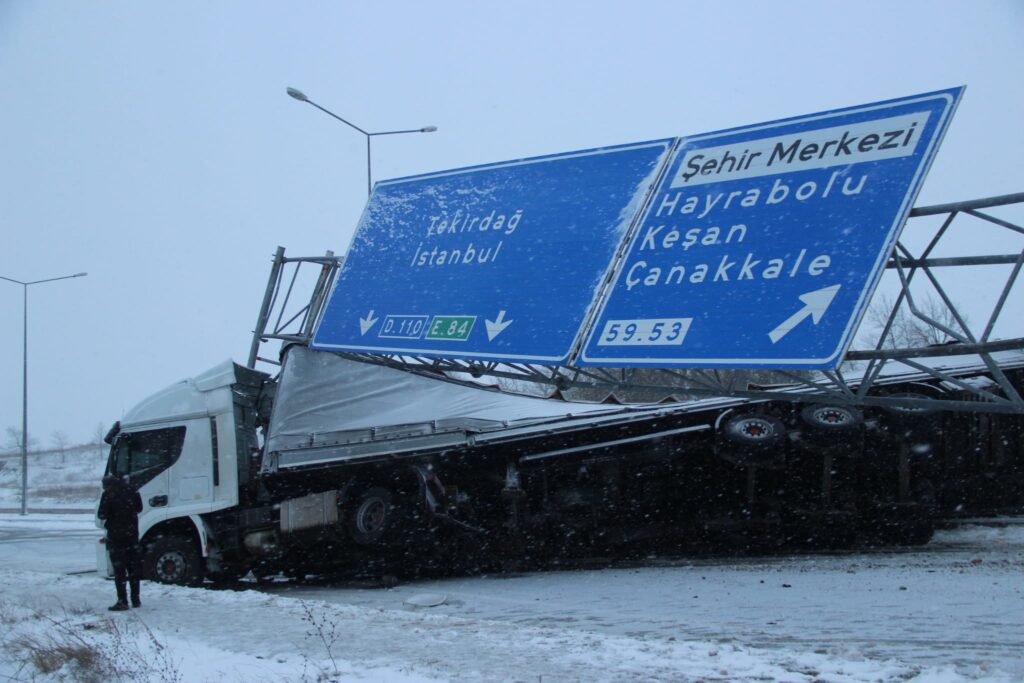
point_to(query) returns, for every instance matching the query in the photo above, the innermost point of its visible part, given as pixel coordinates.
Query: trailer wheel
(754, 430)
(753, 439)
(908, 413)
(831, 419)
(915, 423)
(170, 559)
(372, 516)
(831, 428)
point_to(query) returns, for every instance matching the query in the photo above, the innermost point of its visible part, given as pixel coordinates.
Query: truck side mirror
(114, 431)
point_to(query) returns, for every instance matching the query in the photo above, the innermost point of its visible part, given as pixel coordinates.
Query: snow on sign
(499, 262)
(762, 244)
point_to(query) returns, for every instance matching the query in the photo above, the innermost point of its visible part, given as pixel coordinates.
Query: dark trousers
(127, 562)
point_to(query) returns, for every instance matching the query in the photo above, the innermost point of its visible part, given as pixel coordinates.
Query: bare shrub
(93, 651)
(63, 649)
(48, 656)
(323, 629)
(154, 662)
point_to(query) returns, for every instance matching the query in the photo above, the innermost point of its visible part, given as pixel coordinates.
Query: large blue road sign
(762, 245)
(501, 262)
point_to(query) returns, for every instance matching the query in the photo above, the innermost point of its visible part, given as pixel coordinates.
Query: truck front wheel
(170, 559)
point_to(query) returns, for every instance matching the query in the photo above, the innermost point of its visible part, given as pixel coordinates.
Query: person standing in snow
(119, 509)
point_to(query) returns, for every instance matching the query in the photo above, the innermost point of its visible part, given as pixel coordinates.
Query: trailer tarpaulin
(321, 393)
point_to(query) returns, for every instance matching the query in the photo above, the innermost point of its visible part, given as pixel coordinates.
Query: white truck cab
(178, 448)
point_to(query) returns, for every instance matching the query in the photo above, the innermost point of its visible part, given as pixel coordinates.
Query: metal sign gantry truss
(920, 302)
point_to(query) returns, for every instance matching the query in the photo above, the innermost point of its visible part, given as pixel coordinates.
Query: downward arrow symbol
(366, 323)
(496, 327)
(815, 305)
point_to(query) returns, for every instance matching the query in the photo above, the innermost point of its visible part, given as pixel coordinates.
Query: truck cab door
(193, 476)
(144, 458)
(154, 494)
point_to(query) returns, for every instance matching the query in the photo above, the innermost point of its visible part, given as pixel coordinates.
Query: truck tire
(830, 427)
(753, 439)
(831, 419)
(916, 424)
(754, 430)
(373, 516)
(171, 559)
(906, 412)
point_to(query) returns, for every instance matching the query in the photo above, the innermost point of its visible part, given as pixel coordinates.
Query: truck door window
(143, 455)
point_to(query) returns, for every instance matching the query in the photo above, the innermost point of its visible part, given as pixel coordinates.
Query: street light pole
(301, 97)
(24, 378)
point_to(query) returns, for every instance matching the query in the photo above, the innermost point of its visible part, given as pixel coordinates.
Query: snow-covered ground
(951, 611)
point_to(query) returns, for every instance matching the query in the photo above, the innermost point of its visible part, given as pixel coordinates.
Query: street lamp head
(297, 94)
(428, 129)
(79, 274)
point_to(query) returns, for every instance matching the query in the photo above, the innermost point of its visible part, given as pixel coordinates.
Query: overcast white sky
(153, 145)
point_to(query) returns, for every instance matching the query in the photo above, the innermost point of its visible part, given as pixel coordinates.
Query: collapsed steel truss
(965, 349)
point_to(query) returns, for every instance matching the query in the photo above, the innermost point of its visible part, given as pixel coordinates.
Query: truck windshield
(146, 453)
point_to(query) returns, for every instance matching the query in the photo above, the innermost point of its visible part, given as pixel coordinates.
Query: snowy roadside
(600, 625)
(201, 635)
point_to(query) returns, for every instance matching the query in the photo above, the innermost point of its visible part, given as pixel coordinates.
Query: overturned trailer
(869, 453)
(369, 469)
(533, 478)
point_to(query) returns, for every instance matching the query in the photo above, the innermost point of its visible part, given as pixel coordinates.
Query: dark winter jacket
(120, 506)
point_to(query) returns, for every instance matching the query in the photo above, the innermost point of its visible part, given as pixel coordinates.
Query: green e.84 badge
(451, 327)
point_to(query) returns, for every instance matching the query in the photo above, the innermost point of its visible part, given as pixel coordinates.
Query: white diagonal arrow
(815, 305)
(366, 323)
(496, 327)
